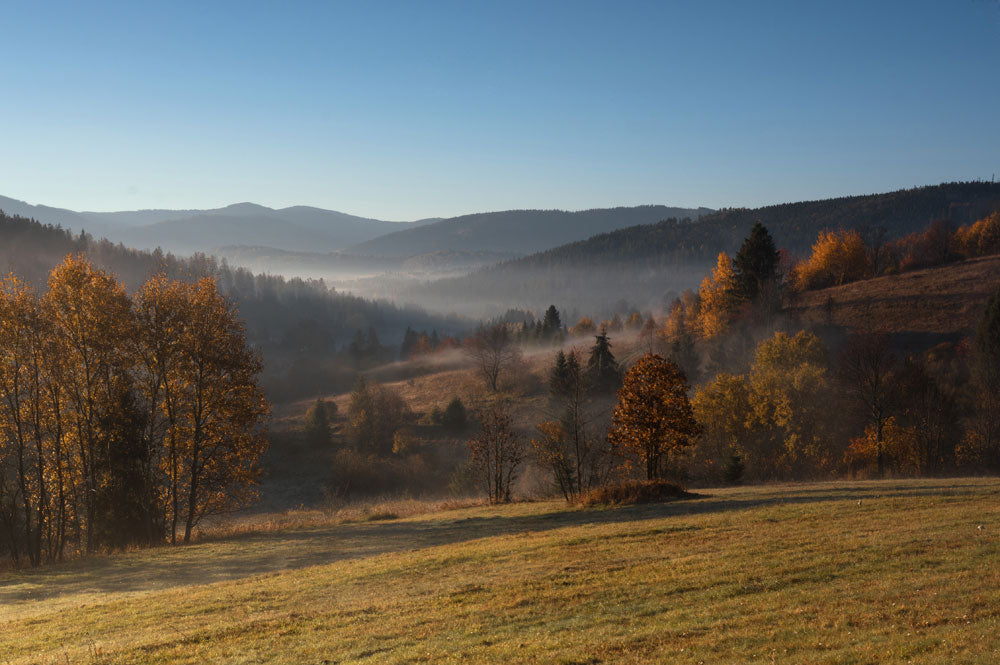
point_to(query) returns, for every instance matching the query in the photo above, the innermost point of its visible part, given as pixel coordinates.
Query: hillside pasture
(844, 572)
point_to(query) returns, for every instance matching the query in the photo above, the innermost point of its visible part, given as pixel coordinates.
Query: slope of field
(946, 300)
(848, 572)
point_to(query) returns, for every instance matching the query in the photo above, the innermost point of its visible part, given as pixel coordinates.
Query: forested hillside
(517, 231)
(302, 327)
(648, 265)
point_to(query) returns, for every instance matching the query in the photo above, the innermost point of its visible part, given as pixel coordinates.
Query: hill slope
(798, 574)
(945, 300)
(646, 264)
(517, 231)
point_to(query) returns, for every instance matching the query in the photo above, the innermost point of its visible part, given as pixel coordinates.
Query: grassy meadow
(798, 573)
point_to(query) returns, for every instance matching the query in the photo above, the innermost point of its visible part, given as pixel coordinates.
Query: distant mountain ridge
(297, 228)
(517, 231)
(308, 229)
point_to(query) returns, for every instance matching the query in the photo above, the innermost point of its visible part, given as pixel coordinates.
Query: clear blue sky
(401, 110)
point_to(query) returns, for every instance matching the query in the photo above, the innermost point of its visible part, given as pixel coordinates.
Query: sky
(405, 110)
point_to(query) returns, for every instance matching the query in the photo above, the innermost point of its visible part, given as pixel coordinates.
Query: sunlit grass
(791, 574)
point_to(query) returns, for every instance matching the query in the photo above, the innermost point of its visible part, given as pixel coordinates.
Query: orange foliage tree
(121, 419)
(837, 257)
(653, 417)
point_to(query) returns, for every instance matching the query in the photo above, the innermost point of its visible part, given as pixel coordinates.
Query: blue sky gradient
(402, 110)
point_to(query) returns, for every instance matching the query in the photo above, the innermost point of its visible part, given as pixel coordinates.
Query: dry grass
(343, 513)
(782, 574)
(943, 300)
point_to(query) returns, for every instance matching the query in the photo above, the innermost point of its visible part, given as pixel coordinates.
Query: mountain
(644, 266)
(298, 228)
(516, 231)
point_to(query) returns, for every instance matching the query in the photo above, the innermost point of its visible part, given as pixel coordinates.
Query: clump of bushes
(633, 492)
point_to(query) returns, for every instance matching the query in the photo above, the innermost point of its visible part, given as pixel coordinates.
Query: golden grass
(778, 574)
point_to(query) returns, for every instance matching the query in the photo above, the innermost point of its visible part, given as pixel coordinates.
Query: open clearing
(774, 574)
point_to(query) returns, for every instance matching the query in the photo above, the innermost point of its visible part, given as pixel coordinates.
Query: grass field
(777, 574)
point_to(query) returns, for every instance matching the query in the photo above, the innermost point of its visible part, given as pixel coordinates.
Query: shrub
(634, 492)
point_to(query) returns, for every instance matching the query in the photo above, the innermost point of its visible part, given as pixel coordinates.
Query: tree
(719, 298)
(566, 445)
(317, 426)
(724, 411)
(603, 373)
(756, 264)
(455, 416)
(551, 324)
(792, 399)
(493, 351)
(837, 257)
(374, 415)
(653, 417)
(866, 367)
(223, 406)
(498, 451)
(93, 325)
(585, 326)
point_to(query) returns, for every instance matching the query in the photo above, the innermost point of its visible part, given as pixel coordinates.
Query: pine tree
(756, 264)
(551, 323)
(559, 376)
(603, 373)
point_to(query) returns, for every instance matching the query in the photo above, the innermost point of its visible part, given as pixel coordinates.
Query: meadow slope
(776, 574)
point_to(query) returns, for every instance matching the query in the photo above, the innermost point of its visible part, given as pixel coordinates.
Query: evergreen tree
(551, 323)
(756, 264)
(455, 416)
(317, 428)
(559, 376)
(603, 373)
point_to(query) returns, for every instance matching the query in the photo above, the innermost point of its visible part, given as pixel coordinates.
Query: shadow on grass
(270, 552)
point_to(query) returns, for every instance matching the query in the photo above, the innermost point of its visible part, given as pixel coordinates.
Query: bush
(633, 492)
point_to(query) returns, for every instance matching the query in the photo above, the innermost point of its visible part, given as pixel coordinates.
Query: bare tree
(494, 351)
(866, 366)
(497, 451)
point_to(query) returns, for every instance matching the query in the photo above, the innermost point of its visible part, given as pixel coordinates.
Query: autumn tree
(653, 417)
(791, 395)
(585, 326)
(93, 325)
(719, 295)
(723, 408)
(223, 407)
(493, 352)
(497, 451)
(837, 257)
(980, 238)
(375, 414)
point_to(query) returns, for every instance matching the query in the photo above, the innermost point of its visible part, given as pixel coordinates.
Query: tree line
(124, 420)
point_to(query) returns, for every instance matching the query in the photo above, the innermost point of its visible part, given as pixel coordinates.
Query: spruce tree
(551, 323)
(603, 373)
(756, 264)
